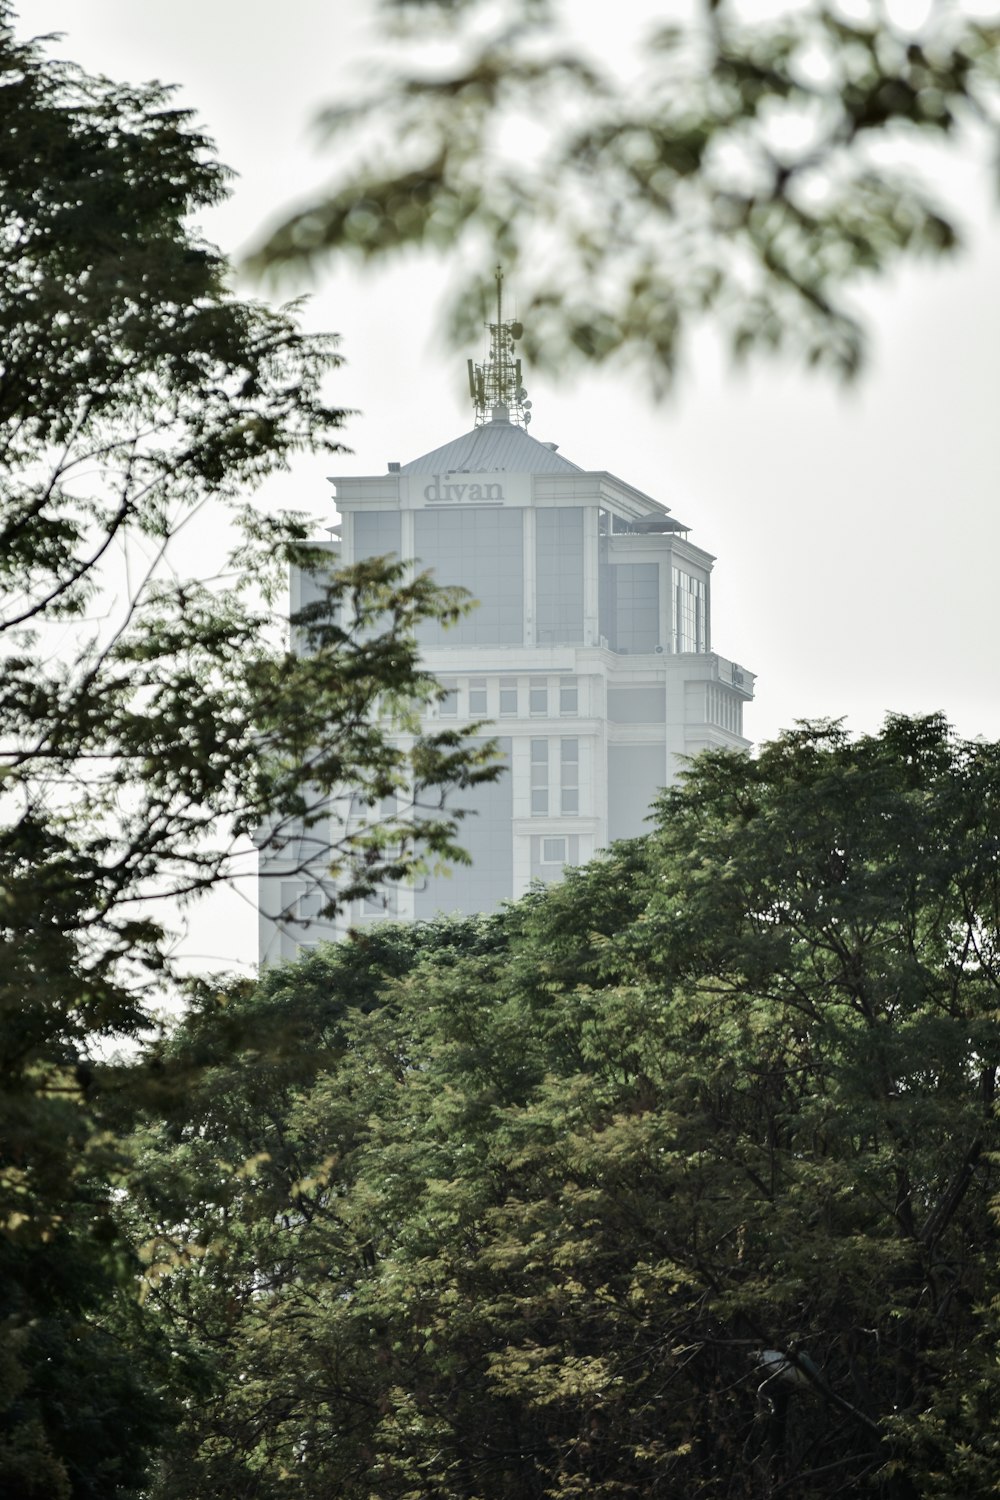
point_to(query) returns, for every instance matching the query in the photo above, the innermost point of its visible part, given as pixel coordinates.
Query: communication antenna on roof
(495, 386)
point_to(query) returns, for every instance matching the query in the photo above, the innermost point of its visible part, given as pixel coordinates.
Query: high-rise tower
(590, 648)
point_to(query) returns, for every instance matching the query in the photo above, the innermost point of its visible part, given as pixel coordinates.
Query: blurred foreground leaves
(752, 174)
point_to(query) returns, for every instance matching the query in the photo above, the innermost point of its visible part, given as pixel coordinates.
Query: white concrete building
(590, 649)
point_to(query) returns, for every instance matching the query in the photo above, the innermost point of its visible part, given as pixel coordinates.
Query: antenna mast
(497, 382)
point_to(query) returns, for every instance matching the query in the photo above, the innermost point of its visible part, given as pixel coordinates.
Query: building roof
(499, 446)
(504, 447)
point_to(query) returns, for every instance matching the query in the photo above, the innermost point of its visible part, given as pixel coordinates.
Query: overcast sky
(856, 532)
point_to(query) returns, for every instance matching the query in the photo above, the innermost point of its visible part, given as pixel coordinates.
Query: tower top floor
(500, 464)
(587, 647)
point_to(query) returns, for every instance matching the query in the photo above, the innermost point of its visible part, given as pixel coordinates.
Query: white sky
(857, 533)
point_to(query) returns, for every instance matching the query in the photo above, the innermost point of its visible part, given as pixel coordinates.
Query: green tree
(675, 1178)
(242, 1255)
(149, 720)
(752, 175)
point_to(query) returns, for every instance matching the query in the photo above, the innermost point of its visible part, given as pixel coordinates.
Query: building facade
(590, 649)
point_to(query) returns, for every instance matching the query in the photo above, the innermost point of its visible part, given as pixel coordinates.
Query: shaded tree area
(675, 1178)
(150, 714)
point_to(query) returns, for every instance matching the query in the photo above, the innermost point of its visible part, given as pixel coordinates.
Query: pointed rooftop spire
(497, 382)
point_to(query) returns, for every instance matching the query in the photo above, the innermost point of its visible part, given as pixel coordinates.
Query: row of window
(724, 709)
(549, 856)
(483, 551)
(514, 698)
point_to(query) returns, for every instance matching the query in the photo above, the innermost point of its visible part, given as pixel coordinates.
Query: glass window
(448, 706)
(630, 606)
(689, 599)
(538, 698)
(482, 551)
(477, 696)
(638, 607)
(569, 776)
(488, 835)
(539, 777)
(376, 533)
(383, 902)
(568, 696)
(559, 575)
(554, 851)
(310, 595)
(508, 696)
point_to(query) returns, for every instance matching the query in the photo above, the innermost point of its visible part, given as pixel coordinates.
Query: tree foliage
(149, 716)
(675, 1178)
(752, 175)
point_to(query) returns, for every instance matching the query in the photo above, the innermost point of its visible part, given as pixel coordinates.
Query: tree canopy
(151, 715)
(751, 174)
(675, 1178)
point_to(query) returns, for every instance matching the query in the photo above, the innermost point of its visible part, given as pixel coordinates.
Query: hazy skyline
(856, 531)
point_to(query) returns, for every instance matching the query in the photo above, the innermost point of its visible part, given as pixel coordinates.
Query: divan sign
(444, 487)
